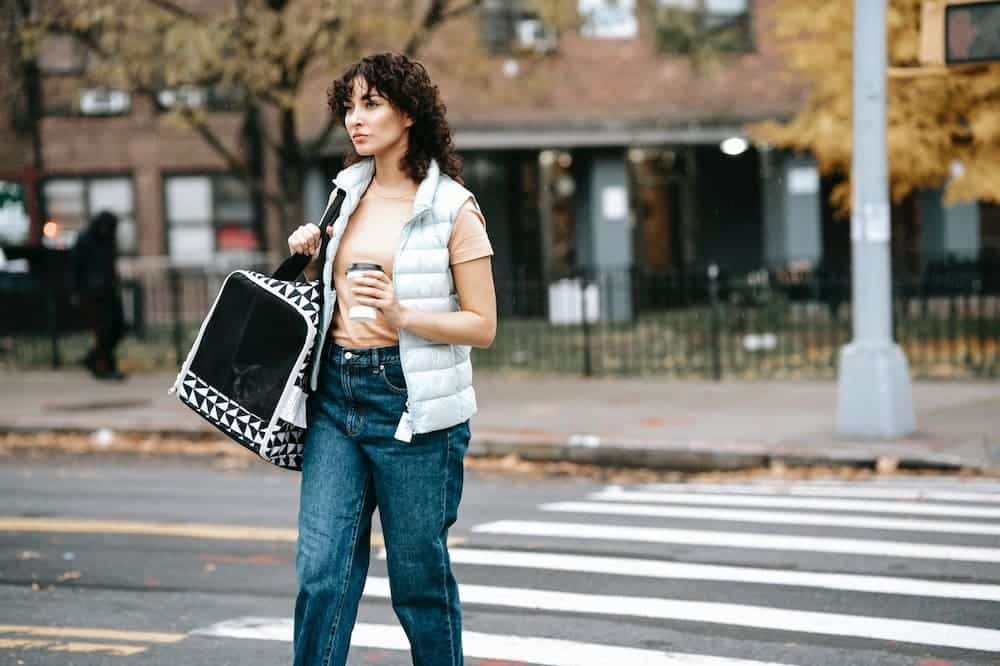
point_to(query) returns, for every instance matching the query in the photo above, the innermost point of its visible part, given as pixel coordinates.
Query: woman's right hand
(305, 240)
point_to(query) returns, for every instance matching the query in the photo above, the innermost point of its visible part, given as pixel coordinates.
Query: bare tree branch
(172, 8)
(302, 62)
(435, 14)
(231, 159)
(313, 147)
(462, 9)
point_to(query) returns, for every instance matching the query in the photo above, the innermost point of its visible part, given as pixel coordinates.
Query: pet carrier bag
(248, 371)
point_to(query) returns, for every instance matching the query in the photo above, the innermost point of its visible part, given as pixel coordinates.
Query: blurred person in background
(95, 284)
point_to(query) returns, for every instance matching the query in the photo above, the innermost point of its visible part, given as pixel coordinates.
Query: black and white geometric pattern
(304, 296)
(286, 447)
(280, 442)
(226, 415)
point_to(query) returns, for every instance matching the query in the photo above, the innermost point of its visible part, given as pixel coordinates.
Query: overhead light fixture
(734, 145)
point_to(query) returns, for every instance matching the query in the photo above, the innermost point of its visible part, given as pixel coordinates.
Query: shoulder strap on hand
(292, 267)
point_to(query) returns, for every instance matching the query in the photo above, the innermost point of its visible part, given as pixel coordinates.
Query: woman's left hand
(374, 288)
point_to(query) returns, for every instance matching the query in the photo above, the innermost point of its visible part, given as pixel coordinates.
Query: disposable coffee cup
(361, 312)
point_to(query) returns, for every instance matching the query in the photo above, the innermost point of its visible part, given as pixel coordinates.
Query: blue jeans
(353, 463)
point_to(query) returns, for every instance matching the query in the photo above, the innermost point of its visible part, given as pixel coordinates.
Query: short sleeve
(468, 236)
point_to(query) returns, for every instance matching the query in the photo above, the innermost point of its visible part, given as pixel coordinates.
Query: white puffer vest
(438, 376)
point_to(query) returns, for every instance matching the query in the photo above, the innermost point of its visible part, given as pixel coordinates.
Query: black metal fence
(758, 325)
(164, 305)
(625, 323)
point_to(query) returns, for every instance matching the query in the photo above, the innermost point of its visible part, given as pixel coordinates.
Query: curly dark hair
(407, 86)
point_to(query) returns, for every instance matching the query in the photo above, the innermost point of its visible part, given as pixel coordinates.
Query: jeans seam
(390, 385)
(347, 575)
(444, 547)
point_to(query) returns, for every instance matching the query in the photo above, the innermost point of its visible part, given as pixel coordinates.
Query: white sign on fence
(568, 298)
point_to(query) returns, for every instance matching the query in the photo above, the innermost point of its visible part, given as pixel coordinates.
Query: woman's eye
(372, 104)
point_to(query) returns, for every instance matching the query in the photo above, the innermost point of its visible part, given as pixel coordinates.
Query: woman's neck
(389, 176)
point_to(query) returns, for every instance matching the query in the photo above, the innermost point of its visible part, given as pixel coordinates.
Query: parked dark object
(95, 285)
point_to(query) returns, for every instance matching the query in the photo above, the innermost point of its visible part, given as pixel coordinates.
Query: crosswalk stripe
(773, 517)
(478, 645)
(902, 493)
(988, 485)
(644, 568)
(875, 547)
(617, 494)
(741, 615)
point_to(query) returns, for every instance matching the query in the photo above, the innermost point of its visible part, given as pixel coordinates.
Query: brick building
(598, 150)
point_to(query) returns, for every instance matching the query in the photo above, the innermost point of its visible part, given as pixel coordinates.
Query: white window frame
(604, 21)
(204, 219)
(128, 228)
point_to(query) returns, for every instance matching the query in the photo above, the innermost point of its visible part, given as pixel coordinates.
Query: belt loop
(375, 357)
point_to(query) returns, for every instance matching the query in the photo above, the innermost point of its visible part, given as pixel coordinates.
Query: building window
(14, 221)
(207, 215)
(683, 26)
(515, 27)
(70, 203)
(608, 19)
(64, 62)
(211, 98)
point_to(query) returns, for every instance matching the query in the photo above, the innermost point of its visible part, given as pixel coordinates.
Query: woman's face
(374, 125)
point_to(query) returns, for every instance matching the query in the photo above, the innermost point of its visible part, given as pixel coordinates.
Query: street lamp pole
(874, 393)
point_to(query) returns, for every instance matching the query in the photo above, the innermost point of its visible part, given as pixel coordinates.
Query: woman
(388, 417)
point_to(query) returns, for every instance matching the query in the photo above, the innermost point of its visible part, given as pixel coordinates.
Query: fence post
(713, 321)
(588, 367)
(173, 277)
(52, 303)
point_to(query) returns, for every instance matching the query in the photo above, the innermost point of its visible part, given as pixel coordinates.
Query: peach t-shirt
(372, 236)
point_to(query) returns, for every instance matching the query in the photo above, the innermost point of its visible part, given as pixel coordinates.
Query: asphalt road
(170, 561)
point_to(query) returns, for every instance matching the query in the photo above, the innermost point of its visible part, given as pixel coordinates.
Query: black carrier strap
(292, 267)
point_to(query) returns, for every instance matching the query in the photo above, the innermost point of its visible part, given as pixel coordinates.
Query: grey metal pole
(874, 393)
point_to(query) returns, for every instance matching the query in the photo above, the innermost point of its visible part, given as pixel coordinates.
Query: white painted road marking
(546, 651)
(643, 568)
(928, 551)
(774, 517)
(929, 494)
(738, 615)
(616, 494)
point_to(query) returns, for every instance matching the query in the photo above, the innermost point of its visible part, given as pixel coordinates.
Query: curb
(703, 456)
(695, 456)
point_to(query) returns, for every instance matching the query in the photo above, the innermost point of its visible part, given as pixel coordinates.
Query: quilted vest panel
(438, 376)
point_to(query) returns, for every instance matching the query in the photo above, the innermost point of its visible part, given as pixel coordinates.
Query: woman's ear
(407, 120)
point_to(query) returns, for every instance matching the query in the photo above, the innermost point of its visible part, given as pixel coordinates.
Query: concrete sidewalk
(682, 425)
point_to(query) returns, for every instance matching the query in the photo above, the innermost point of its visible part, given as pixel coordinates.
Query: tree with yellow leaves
(943, 123)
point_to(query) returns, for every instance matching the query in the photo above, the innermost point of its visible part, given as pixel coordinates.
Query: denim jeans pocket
(392, 375)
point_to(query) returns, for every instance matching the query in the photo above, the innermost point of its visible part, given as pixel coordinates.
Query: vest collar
(355, 178)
